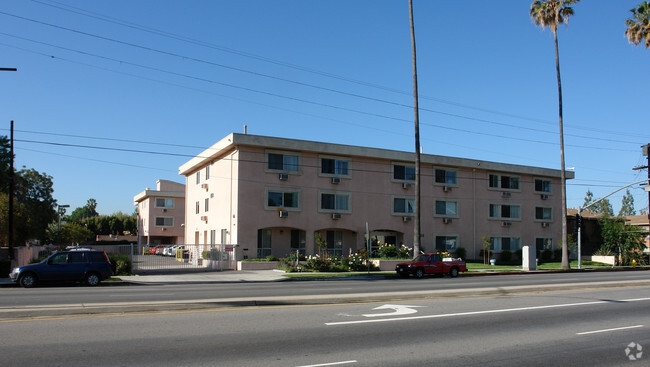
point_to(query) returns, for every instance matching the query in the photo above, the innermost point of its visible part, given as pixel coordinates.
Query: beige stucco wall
(148, 232)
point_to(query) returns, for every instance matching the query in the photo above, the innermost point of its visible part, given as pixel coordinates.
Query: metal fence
(159, 259)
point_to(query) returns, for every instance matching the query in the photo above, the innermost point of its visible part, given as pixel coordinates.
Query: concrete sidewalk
(228, 276)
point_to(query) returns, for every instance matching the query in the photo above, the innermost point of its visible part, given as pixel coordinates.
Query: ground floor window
(298, 241)
(263, 243)
(446, 243)
(542, 244)
(499, 244)
(334, 241)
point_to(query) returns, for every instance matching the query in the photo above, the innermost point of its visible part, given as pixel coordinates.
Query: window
(334, 241)
(331, 166)
(335, 202)
(542, 185)
(499, 244)
(164, 203)
(198, 207)
(499, 211)
(263, 243)
(403, 173)
(164, 221)
(207, 172)
(403, 206)
(298, 241)
(207, 205)
(443, 176)
(281, 199)
(198, 177)
(504, 182)
(282, 162)
(543, 213)
(213, 236)
(446, 208)
(542, 244)
(447, 243)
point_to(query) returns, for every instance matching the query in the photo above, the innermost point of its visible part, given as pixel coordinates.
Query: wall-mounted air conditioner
(406, 219)
(336, 180)
(506, 224)
(406, 185)
(446, 188)
(505, 194)
(336, 216)
(446, 220)
(544, 196)
(283, 213)
(545, 224)
(283, 176)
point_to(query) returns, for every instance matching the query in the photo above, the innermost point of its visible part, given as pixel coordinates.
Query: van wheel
(28, 280)
(92, 279)
(419, 273)
(453, 272)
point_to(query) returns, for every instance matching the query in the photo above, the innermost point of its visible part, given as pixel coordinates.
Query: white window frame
(336, 193)
(455, 184)
(499, 211)
(283, 191)
(164, 206)
(500, 179)
(164, 220)
(392, 171)
(543, 219)
(550, 185)
(405, 198)
(435, 209)
(335, 158)
(283, 170)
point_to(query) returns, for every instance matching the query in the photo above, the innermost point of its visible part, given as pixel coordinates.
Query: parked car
(76, 265)
(430, 264)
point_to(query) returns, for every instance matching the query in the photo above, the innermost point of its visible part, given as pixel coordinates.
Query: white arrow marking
(397, 310)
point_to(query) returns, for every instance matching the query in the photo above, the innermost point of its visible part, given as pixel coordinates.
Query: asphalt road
(570, 328)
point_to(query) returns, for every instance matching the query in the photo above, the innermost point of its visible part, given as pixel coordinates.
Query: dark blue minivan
(76, 265)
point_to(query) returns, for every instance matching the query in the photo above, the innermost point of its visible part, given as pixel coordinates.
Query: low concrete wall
(387, 265)
(601, 259)
(257, 265)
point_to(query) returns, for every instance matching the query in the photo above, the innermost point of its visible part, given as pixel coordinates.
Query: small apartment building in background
(270, 196)
(161, 214)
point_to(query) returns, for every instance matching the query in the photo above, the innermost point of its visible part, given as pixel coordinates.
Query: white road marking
(607, 330)
(481, 312)
(329, 364)
(397, 310)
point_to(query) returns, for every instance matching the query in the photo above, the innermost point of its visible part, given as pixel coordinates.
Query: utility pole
(646, 148)
(10, 236)
(416, 226)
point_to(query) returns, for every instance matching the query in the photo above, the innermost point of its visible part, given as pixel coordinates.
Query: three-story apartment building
(161, 214)
(271, 196)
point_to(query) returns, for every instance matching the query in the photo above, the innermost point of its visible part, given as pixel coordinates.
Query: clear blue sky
(174, 77)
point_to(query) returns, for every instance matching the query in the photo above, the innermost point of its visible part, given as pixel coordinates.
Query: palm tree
(551, 13)
(638, 28)
(416, 225)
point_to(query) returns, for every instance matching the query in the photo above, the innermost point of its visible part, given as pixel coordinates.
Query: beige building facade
(161, 214)
(271, 196)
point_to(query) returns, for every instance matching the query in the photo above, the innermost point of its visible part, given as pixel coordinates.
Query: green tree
(86, 211)
(627, 205)
(21, 221)
(601, 207)
(34, 191)
(551, 13)
(74, 233)
(589, 197)
(638, 27)
(5, 163)
(628, 240)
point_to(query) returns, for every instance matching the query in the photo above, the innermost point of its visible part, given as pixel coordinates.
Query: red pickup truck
(430, 264)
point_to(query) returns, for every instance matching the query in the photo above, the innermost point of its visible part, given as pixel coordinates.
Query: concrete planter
(387, 265)
(257, 265)
(601, 259)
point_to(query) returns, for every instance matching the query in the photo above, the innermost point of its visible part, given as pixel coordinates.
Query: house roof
(233, 140)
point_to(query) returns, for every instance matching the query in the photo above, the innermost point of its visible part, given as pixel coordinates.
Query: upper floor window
(504, 182)
(403, 173)
(542, 185)
(281, 199)
(443, 176)
(164, 203)
(500, 211)
(543, 213)
(207, 172)
(198, 177)
(206, 205)
(331, 166)
(164, 221)
(446, 208)
(335, 201)
(282, 162)
(198, 207)
(403, 205)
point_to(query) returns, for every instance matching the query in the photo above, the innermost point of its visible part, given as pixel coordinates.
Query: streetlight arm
(610, 194)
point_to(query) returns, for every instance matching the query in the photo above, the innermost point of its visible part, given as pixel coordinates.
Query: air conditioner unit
(204, 186)
(506, 224)
(505, 194)
(407, 219)
(204, 218)
(164, 228)
(283, 176)
(164, 210)
(283, 213)
(336, 216)
(336, 180)
(446, 188)
(406, 185)
(544, 196)
(446, 220)
(545, 224)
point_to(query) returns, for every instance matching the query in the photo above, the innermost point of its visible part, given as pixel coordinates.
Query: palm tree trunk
(416, 225)
(565, 247)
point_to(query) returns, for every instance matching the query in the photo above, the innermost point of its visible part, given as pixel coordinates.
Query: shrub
(387, 250)
(557, 254)
(506, 256)
(518, 255)
(210, 255)
(461, 252)
(547, 255)
(405, 252)
(121, 264)
(272, 258)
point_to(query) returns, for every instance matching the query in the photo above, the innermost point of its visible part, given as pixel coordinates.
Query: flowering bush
(405, 252)
(387, 250)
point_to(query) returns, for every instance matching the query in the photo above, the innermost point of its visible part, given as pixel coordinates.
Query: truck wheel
(92, 279)
(27, 280)
(419, 273)
(453, 272)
